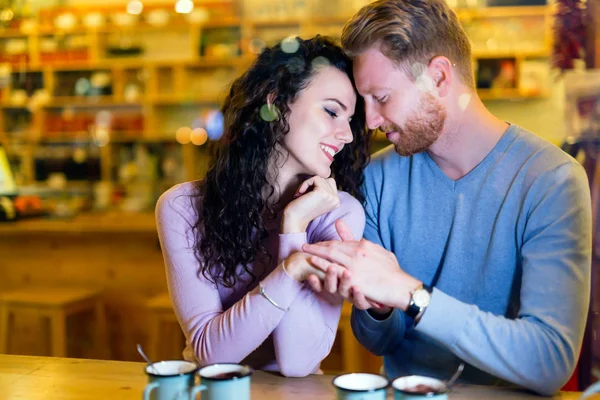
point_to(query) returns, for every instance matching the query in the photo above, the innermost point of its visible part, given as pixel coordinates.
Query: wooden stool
(55, 304)
(162, 315)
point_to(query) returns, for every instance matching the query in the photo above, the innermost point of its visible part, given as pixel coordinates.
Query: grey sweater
(507, 248)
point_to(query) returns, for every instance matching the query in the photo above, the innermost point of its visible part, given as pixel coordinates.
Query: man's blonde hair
(410, 33)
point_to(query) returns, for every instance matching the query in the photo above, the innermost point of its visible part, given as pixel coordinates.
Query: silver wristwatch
(419, 300)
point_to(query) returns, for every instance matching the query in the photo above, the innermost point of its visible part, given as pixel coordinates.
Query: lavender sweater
(237, 325)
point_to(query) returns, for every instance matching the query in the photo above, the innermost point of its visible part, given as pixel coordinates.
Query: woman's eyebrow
(339, 102)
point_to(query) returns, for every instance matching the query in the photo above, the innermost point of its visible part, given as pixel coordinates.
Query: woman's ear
(271, 99)
(269, 111)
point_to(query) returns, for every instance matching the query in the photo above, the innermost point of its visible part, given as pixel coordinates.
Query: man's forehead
(368, 74)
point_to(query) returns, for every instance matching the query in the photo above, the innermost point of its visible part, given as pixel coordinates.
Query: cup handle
(595, 388)
(149, 388)
(195, 390)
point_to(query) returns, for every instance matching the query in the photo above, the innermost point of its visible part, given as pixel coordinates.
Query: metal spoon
(145, 357)
(455, 376)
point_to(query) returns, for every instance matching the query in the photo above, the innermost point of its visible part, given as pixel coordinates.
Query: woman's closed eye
(332, 114)
(381, 99)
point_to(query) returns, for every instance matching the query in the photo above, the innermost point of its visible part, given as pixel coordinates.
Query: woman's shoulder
(348, 202)
(180, 201)
(349, 206)
(350, 210)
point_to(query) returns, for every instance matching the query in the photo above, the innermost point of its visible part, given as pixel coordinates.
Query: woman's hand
(299, 267)
(309, 204)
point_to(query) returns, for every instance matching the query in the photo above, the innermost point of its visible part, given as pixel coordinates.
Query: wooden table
(37, 378)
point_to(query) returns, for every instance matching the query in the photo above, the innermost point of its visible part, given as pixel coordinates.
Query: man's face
(406, 110)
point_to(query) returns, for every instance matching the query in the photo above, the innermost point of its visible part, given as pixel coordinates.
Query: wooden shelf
(13, 33)
(9, 106)
(336, 20)
(512, 54)
(504, 12)
(276, 22)
(121, 63)
(170, 99)
(118, 137)
(170, 66)
(88, 101)
(509, 94)
(225, 22)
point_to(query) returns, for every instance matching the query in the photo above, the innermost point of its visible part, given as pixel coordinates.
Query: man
(478, 236)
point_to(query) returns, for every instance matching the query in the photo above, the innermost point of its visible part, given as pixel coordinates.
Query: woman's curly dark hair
(234, 198)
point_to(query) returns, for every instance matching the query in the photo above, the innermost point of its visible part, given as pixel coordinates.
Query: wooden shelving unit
(180, 82)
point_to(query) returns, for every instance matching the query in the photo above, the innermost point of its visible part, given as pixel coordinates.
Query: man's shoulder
(384, 159)
(534, 148)
(542, 163)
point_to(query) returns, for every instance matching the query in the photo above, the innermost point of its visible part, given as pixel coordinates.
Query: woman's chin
(324, 173)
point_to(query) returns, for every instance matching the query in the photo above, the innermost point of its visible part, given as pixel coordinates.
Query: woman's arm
(215, 334)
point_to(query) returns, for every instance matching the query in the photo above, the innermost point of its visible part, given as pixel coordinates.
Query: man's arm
(379, 330)
(539, 348)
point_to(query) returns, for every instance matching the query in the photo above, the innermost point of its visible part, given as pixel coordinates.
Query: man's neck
(467, 139)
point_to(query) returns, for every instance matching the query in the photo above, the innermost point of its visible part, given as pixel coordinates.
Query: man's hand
(373, 270)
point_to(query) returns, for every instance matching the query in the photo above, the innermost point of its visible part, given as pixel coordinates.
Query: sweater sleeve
(306, 333)
(380, 337)
(215, 335)
(538, 349)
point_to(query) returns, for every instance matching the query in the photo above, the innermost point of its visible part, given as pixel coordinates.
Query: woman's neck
(286, 182)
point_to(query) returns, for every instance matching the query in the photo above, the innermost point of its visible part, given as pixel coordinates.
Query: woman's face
(319, 122)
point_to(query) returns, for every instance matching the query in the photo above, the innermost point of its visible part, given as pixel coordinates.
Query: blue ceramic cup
(172, 380)
(226, 381)
(416, 387)
(361, 386)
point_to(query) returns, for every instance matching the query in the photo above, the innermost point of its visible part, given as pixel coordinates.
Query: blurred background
(105, 104)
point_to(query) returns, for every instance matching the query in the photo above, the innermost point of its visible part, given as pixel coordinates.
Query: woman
(232, 242)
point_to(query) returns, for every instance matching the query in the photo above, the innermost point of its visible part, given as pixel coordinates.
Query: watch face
(421, 298)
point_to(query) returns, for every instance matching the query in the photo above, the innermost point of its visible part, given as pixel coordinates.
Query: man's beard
(422, 129)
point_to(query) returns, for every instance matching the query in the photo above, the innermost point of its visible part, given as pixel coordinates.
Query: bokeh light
(464, 100)
(68, 114)
(79, 155)
(290, 45)
(269, 112)
(82, 86)
(6, 15)
(256, 46)
(425, 83)
(101, 135)
(183, 135)
(103, 118)
(135, 7)
(295, 65)
(199, 136)
(320, 62)
(184, 6)
(417, 69)
(214, 124)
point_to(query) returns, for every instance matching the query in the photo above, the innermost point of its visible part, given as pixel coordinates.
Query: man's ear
(441, 71)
